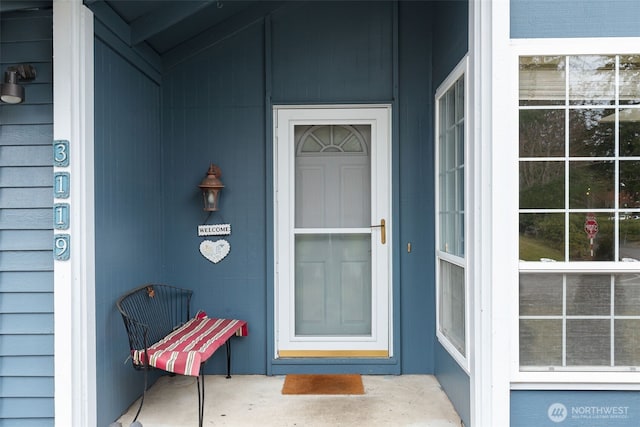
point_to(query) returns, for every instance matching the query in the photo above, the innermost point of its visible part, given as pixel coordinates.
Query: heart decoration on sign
(215, 251)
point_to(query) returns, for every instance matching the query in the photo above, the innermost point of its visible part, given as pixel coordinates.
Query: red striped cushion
(186, 348)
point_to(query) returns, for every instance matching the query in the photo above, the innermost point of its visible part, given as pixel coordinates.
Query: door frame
(378, 112)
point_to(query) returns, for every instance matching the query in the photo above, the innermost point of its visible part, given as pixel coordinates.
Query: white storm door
(333, 231)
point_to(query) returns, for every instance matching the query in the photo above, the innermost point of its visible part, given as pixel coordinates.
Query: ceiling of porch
(165, 24)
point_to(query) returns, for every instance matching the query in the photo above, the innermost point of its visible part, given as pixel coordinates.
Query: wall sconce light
(211, 186)
(10, 91)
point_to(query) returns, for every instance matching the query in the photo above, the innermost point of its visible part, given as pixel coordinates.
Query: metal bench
(163, 335)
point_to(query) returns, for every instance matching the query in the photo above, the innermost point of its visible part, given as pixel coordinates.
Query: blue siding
(220, 119)
(450, 37)
(26, 197)
(575, 18)
(415, 151)
(455, 382)
(328, 53)
(33, 386)
(129, 218)
(450, 45)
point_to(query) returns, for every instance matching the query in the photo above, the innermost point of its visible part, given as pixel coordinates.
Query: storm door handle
(383, 231)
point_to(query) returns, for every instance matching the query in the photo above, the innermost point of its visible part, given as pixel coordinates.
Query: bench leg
(201, 379)
(228, 345)
(144, 392)
(200, 399)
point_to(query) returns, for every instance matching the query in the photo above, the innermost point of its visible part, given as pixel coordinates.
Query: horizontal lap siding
(26, 236)
(574, 18)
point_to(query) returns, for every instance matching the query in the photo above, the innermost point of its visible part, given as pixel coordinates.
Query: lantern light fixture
(211, 186)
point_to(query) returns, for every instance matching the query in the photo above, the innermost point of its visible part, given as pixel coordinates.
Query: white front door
(333, 226)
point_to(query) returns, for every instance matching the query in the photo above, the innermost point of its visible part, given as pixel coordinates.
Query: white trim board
(74, 279)
(489, 42)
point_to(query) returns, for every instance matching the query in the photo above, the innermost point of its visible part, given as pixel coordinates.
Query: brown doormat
(323, 384)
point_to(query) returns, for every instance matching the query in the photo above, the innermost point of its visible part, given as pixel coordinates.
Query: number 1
(61, 216)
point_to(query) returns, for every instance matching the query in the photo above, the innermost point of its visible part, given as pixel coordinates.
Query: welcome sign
(214, 230)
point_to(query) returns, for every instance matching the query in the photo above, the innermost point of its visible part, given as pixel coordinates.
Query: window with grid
(579, 205)
(450, 249)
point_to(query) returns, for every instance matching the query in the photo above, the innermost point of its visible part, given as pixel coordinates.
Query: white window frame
(460, 71)
(508, 202)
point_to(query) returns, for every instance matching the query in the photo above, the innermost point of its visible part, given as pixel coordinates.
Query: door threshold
(333, 353)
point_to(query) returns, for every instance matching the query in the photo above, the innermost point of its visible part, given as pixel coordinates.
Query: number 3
(61, 153)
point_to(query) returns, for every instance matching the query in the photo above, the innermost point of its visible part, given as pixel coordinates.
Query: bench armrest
(152, 311)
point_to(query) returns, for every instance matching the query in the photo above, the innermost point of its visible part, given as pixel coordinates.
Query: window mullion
(564, 320)
(616, 187)
(612, 333)
(566, 180)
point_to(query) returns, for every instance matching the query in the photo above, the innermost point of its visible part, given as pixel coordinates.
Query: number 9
(61, 244)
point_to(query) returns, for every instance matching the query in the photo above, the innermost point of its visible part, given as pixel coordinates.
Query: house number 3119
(61, 217)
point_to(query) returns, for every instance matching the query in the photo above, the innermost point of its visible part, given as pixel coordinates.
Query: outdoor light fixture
(10, 91)
(211, 186)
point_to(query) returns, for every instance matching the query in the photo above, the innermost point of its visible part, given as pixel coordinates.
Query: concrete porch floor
(256, 400)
